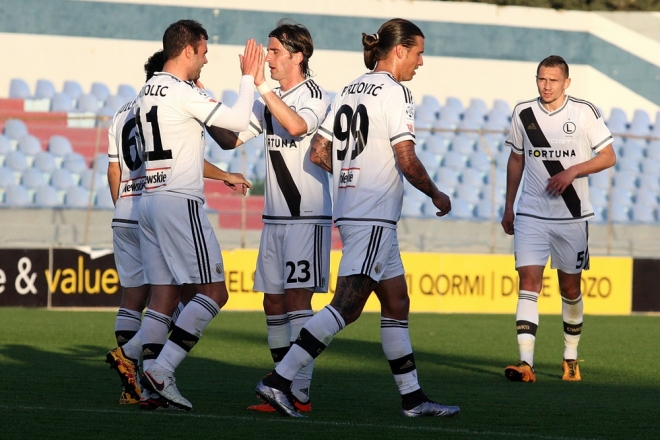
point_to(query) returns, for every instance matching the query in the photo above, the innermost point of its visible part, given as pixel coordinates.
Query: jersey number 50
(356, 132)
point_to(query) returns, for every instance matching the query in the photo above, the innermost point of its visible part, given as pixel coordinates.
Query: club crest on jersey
(377, 268)
(348, 177)
(569, 128)
(218, 268)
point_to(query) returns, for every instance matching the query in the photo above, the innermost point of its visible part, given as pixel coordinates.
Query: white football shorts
(370, 250)
(178, 242)
(293, 256)
(567, 243)
(128, 257)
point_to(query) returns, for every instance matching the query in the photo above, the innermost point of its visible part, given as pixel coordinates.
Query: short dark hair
(181, 34)
(154, 64)
(554, 61)
(391, 33)
(295, 38)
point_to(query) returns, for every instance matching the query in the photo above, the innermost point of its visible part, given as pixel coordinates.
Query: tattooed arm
(416, 174)
(321, 152)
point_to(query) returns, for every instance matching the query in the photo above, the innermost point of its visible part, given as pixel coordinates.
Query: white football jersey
(124, 147)
(296, 189)
(552, 142)
(369, 116)
(171, 115)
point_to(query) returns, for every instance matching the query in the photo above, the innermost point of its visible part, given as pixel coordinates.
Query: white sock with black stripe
(395, 339)
(572, 312)
(527, 321)
(303, 380)
(154, 330)
(188, 330)
(279, 336)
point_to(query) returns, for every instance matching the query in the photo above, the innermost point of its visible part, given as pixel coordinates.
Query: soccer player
(177, 240)
(126, 180)
(367, 141)
(294, 253)
(557, 140)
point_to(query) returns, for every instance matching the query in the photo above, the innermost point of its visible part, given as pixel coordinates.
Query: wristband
(263, 88)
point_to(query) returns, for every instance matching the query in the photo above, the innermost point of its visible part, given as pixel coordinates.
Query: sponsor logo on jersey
(532, 126)
(348, 177)
(410, 112)
(278, 142)
(551, 154)
(133, 187)
(569, 127)
(156, 178)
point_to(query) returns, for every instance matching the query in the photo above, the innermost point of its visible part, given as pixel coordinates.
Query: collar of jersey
(383, 73)
(282, 95)
(538, 101)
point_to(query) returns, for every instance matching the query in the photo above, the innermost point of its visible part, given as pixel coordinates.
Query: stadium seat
(229, 97)
(448, 176)
(478, 106)
(461, 209)
(46, 196)
(103, 199)
(115, 102)
(29, 145)
(600, 214)
(645, 196)
(653, 150)
(451, 113)
(32, 178)
(425, 116)
(621, 197)
(649, 181)
(18, 196)
(218, 155)
(93, 181)
(474, 115)
(75, 162)
(469, 193)
(62, 102)
(620, 214)
(454, 160)
(437, 144)
(484, 210)
(62, 179)
(59, 145)
(644, 214)
(455, 103)
(633, 149)
(500, 179)
(6, 145)
(598, 197)
(16, 161)
(44, 89)
(480, 161)
(469, 128)
(100, 90)
(411, 207)
(100, 163)
(45, 162)
(600, 180)
(105, 115)
(640, 124)
(413, 193)
(502, 107)
(7, 177)
(618, 121)
(72, 88)
(462, 145)
(630, 165)
(126, 91)
(473, 177)
(430, 160)
(625, 180)
(445, 128)
(431, 102)
(502, 159)
(19, 89)
(77, 197)
(650, 166)
(88, 103)
(15, 129)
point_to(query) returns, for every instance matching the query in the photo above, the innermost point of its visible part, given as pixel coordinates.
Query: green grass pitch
(55, 384)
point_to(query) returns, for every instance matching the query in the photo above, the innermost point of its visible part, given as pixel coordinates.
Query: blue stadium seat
(103, 199)
(413, 193)
(640, 124)
(62, 179)
(100, 163)
(72, 88)
(19, 89)
(502, 107)
(411, 207)
(431, 102)
(75, 162)
(473, 177)
(627, 164)
(469, 193)
(126, 91)
(644, 214)
(477, 106)
(621, 197)
(649, 181)
(15, 129)
(32, 178)
(6, 146)
(93, 181)
(645, 196)
(598, 197)
(455, 103)
(100, 90)
(45, 162)
(480, 161)
(62, 102)
(47, 196)
(625, 180)
(77, 197)
(115, 102)
(16, 161)
(454, 160)
(451, 113)
(229, 97)
(425, 116)
(29, 145)
(653, 150)
(502, 159)
(484, 210)
(7, 177)
(618, 121)
(462, 145)
(18, 196)
(447, 176)
(461, 210)
(88, 103)
(44, 89)
(105, 115)
(59, 145)
(430, 160)
(633, 149)
(620, 214)
(650, 166)
(600, 180)
(437, 144)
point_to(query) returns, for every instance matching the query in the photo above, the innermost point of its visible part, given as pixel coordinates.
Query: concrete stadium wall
(472, 50)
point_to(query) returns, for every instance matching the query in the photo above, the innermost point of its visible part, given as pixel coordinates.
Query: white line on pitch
(175, 413)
